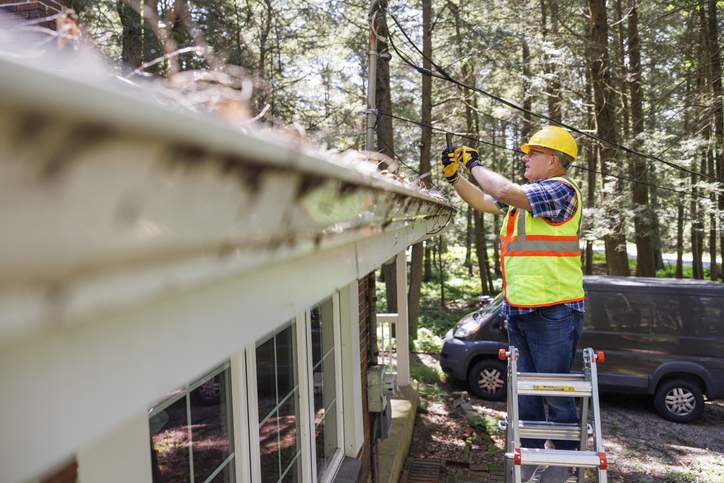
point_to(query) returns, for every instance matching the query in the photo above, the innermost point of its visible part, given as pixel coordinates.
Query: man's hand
(467, 156)
(449, 165)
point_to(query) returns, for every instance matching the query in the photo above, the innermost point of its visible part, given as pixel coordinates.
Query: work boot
(527, 472)
(555, 474)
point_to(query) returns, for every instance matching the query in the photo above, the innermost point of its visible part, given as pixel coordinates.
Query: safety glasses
(533, 152)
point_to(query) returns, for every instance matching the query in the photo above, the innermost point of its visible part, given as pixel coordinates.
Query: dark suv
(662, 337)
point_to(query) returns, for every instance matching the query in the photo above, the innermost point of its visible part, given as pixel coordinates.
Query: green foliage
(432, 392)
(426, 342)
(669, 271)
(485, 423)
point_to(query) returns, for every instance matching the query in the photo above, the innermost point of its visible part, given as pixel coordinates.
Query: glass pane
(316, 324)
(324, 386)
(319, 447)
(286, 352)
(330, 433)
(269, 446)
(278, 401)
(288, 434)
(211, 426)
(292, 475)
(266, 378)
(170, 443)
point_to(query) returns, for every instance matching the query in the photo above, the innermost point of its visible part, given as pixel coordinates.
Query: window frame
(336, 459)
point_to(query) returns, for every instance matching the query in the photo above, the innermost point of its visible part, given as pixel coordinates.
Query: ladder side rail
(601, 474)
(513, 405)
(581, 472)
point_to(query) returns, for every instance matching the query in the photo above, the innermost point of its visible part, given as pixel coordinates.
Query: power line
(517, 151)
(447, 77)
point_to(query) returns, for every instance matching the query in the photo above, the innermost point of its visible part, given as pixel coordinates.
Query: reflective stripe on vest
(541, 264)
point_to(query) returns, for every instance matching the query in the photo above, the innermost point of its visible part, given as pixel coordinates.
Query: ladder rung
(571, 479)
(573, 376)
(558, 457)
(547, 430)
(554, 387)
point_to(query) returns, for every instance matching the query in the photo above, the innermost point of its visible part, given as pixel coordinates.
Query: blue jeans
(546, 340)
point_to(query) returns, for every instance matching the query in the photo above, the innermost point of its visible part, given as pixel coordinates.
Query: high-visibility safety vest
(541, 260)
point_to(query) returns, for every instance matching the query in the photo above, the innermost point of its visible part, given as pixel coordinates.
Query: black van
(663, 337)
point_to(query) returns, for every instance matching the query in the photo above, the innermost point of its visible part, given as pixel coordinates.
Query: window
(191, 432)
(324, 374)
(278, 402)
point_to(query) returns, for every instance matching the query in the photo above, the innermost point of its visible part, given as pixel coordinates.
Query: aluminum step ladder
(582, 385)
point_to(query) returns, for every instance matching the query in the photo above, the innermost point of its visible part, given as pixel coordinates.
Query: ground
(645, 447)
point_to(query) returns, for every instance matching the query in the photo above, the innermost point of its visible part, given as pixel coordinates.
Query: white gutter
(142, 243)
(109, 198)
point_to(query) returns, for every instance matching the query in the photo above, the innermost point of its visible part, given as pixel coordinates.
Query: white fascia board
(65, 388)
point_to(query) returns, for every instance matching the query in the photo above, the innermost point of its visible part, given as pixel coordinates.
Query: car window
(689, 315)
(493, 306)
(618, 312)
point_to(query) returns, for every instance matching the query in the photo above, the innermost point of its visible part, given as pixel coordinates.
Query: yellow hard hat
(554, 138)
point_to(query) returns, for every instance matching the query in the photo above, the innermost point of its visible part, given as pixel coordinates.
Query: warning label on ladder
(554, 388)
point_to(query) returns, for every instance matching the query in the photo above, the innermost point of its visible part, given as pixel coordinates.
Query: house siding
(367, 313)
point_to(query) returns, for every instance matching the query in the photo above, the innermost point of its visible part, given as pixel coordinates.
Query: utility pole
(372, 76)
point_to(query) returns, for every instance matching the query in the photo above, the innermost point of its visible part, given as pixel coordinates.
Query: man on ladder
(540, 257)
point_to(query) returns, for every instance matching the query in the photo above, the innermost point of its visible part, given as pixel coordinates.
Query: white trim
(352, 419)
(402, 326)
(240, 408)
(334, 463)
(336, 307)
(306, 419)
(253, 414)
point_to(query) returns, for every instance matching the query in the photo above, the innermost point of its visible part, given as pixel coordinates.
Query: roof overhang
(133, 230)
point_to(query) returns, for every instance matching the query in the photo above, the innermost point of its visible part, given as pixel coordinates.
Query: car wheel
(487, 380)
(209, 392)
(679, 400)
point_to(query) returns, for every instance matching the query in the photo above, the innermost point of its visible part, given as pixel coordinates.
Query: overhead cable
(517, 151)
(459, 84)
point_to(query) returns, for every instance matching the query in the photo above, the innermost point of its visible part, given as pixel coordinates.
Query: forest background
(639, 84)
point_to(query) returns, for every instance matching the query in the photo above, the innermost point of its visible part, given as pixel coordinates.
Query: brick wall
(25, 10)
(367, 310)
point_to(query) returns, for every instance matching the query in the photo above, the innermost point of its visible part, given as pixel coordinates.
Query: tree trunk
(591, 158)
(131, 38)
(386, 145)
(527, 99)
(553, 85)
(385, 139)
(426, 113)
(680, 238)
(716, 86)
(645, 261)
(481, 250)
(442, 270)
(469, 241)
(696, 235)
(389, 273)
(615, 241)
(428, 262)
(413, 296)
(417, 258)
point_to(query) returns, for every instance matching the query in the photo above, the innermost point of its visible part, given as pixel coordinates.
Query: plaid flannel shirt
(556, 202)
